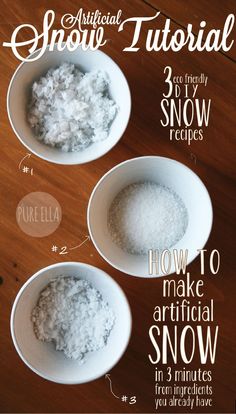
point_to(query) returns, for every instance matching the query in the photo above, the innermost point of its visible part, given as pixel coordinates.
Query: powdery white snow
(71, 110)
(147, 216)
(73, 315)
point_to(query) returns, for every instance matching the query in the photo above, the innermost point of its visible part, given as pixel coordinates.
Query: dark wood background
(20, 389)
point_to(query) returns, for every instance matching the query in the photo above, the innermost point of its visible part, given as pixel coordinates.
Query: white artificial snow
(73, 315)
(147, 216)
(71, 110)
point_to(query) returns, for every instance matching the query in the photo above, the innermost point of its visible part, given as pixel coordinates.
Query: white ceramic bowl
(19, 92)
(166, 172)
(42, 357)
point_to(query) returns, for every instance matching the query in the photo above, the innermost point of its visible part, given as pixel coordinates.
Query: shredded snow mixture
(73, 315)
(147, 216)
(71, 110)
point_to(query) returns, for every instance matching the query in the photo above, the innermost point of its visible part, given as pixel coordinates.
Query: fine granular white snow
(146, 216)
(71, 110)
(73, 315)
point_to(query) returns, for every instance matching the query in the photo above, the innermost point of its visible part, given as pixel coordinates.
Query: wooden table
(212, 159)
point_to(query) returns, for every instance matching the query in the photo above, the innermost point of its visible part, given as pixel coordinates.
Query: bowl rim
(14, 310)
(120, 165)
(45, 157)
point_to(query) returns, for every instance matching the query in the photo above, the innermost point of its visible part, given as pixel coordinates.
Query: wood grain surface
(212, 159)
